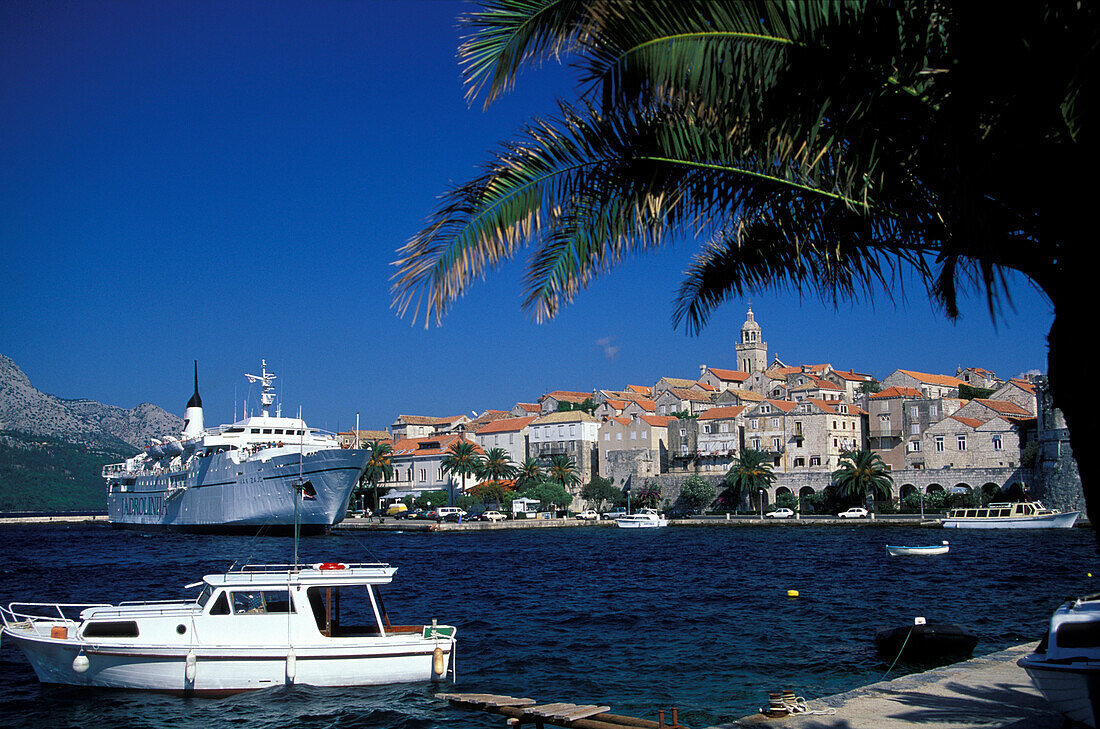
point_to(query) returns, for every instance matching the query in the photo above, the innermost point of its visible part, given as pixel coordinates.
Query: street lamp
(761, 504)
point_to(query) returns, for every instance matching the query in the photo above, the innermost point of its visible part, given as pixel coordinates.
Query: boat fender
(438, 665)
(80, 663)
(291, 661)
(190, 666)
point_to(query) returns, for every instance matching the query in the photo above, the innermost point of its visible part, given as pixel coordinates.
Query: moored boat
(923, 641)
(240, 477)
(1023, 515)
(902, 551)
(642, 519)
(1065, 667)
(250, 628)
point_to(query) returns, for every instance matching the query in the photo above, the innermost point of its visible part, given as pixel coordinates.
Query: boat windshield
(204, 596)
(342, 612)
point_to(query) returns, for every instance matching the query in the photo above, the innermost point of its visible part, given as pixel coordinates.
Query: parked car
(779, 514)
(588, 515)
(397, 510)
(445, 511)
(856, 512)
(616, 513)
(492, 516)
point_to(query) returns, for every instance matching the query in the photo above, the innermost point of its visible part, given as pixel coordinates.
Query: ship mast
(267, 392)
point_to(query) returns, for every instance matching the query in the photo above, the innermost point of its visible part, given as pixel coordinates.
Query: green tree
(550, 494)
(563, 471)
(497, 465)
(379, 469)
(697, 493)
(862, 474)
(749, 472)
(649, 495)
(598, 491)
(462, 460)
(836, 147)
(528, 474)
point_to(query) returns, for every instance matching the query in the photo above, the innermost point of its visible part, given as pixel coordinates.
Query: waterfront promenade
(991, 692)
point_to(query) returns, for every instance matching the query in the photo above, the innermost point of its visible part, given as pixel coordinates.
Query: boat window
(262, 601)
(267, 431)
(1078, 635)
(220, 606)
(111, 629)
(971, 512)
(343, 612)
(204, 596)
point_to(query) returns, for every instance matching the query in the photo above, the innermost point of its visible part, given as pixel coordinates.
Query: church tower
(752, 350)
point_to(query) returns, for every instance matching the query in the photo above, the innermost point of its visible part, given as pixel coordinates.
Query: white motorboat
(901, 551)
(1066, 665)
(642, 519)
(1024, 515)
(250, 628)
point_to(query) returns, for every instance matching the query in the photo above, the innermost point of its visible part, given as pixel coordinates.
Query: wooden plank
(486, 700)
(583, 712)
(548, 710)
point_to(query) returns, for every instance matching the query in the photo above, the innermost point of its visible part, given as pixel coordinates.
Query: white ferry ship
(1025, 515)
(259, 472)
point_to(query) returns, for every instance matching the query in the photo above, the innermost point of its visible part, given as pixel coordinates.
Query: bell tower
(752, 350)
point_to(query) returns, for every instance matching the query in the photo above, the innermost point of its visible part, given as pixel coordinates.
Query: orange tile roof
(944, 380)
(728, 375)
(972, 422)
(722, 413)
(1004, 407)
(898, 392)
(529, 406)
(507, 425)
(567, 395)
(412, 446)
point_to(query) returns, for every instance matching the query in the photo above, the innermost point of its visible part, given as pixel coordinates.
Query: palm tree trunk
(1072, 347)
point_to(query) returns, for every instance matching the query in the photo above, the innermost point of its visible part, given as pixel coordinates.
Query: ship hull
(217, 494)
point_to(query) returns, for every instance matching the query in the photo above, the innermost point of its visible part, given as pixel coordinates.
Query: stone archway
(804, 493)
(906, 489)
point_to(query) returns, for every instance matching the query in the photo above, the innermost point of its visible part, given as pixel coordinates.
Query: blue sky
(230, 181)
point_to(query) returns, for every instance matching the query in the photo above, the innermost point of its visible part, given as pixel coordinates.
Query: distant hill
(52, 449)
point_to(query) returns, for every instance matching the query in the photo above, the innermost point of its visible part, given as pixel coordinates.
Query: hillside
(52, 449)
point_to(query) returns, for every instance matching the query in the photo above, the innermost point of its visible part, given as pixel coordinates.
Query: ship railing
(140, 609)
(45, 615)
(262, 570)
(112, 468)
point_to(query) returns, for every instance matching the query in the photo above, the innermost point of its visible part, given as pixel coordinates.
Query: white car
(616, 513)
(779, 514)
(493, 516)
(588, 514)
(856, 512)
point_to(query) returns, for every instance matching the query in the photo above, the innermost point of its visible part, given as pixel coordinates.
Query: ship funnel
(192, 417)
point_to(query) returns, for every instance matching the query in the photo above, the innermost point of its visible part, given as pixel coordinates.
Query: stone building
(418, 464)
(640, 440)
(720, 433)
(511, 434)
(819, 432)
(752, 350)
(572, 433)
(930, 386)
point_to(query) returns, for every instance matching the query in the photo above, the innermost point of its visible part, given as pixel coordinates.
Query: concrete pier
(990, 692)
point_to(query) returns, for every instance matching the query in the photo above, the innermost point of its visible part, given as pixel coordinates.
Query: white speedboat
(642, 519)
(1066, 665)
(901, 551)
(1024, 515)
(250, 628)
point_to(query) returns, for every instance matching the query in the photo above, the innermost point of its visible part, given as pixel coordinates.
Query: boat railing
(138, 609)
(112, 468)
(263, 571)
(13, 616)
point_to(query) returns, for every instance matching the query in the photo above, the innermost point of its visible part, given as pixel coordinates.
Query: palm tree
(496, 467)
(749, 472)
(379, 468)
(529, 474)
(563, 470)
(462, 460)
(836, 147)
(862, 474)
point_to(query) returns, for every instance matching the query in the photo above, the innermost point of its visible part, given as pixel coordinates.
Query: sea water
(639, 620)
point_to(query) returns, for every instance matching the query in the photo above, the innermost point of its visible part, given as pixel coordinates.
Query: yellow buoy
(792, 593)
(438, 666)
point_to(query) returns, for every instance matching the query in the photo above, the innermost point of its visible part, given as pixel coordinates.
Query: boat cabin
(1000, 510)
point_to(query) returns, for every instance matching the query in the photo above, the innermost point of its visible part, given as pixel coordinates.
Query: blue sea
(638, 620)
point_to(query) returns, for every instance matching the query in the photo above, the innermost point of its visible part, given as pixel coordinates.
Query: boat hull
(1045, 521)
(640, 523)
(216, 494)
(917, 551)
(1073, 688)
(224, 670)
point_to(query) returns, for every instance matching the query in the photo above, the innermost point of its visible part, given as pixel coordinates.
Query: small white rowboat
(896, 551)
